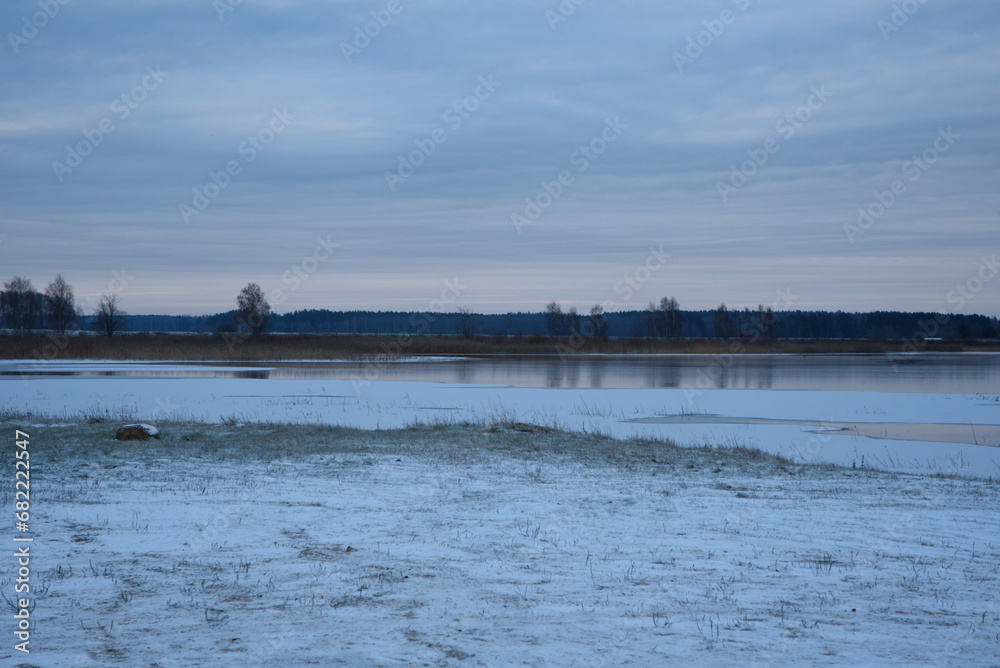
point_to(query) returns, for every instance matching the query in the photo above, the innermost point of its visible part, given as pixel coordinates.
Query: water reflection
(553, 375)
(125, 372)
(662, 375)
(597, 372)
(963, 373)
(572, 374)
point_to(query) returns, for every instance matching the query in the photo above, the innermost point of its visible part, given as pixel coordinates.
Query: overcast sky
(738, 137)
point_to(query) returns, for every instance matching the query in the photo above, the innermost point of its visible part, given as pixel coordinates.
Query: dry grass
(93, 441)
(142, 346)
(469, 545)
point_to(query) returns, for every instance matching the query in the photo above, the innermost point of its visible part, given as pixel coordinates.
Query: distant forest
(786, 324)
(23, 308)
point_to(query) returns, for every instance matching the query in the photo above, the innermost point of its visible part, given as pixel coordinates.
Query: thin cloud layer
(529, 150)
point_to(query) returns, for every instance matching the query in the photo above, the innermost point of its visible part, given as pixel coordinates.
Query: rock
(137, 432)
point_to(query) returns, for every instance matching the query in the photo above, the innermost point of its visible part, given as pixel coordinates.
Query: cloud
(354, 122)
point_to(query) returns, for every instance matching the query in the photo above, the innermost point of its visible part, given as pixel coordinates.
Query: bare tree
(599, 322)
(110, 318)
(671, 313)
(554, 319)
(60, 306)
(653, 321)
(664, 309)
(767, 321)
(466, 323)
(723, 323)
(20, 305)
(573, 321)
(253, 308)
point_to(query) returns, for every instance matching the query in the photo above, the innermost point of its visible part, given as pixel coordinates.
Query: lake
(966, 373)
(923, 413)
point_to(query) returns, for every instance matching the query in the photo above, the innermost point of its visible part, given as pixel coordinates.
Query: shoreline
(499, 436)
(328, 347)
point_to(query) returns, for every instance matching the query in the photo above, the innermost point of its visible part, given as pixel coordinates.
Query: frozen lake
(921, 413)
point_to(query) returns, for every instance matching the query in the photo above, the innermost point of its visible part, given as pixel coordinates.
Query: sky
(497, 156)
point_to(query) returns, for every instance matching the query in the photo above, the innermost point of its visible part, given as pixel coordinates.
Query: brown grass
(353, 347)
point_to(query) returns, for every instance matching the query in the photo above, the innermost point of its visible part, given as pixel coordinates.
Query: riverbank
(230, 347)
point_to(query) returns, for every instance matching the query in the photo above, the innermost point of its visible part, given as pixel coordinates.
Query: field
(196, 347)
(492, 544)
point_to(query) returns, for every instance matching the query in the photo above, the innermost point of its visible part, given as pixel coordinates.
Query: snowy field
(463, 546)
(898, 431)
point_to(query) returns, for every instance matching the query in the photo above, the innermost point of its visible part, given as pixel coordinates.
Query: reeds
(219, 347)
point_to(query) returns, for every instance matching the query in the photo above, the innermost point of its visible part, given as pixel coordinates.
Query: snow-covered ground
(463, 546)
(891, 431)
(252, 534)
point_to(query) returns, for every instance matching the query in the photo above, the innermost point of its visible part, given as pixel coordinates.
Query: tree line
(596, 323)
(22, 308)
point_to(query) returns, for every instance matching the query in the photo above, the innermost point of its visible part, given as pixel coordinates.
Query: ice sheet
(392, 404)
